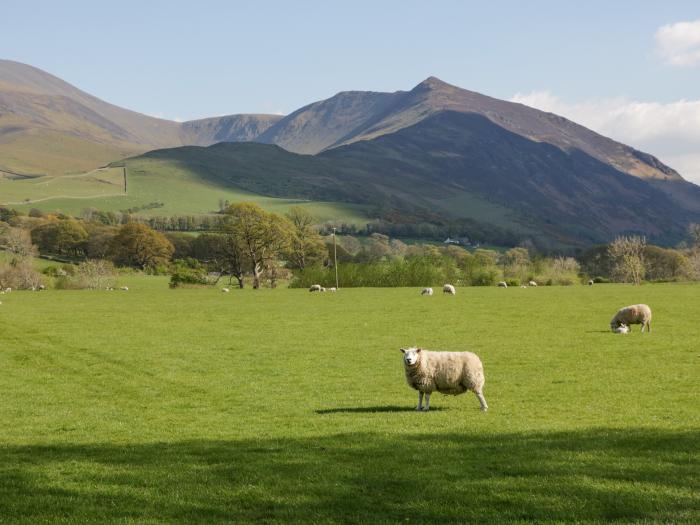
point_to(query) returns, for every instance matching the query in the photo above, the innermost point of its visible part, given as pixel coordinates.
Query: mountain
(451, 166)
(50, 126)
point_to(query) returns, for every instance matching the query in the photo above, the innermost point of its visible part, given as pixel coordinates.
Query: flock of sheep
(454, 373)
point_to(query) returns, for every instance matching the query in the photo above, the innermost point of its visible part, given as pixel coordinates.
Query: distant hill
(50, 126)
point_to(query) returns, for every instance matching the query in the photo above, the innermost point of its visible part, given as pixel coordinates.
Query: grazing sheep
(634, 314)
(315, 288)
(622, 329)
(333, 289)
(523, 286)
(427, 291)
(449, 289)
(225, 290)
(124, 288)
(590, 282)
(323, 288)
(503, 284)
(447, 372)
(532, 283)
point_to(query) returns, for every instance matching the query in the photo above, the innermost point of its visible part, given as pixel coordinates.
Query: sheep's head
(410, 355)
(622, 329)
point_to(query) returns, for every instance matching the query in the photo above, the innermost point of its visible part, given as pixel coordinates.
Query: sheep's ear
(403, 350)
(418, 349)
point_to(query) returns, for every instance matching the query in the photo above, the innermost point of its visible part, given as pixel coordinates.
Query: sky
(627, 69)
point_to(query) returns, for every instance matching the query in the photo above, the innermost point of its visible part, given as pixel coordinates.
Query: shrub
(188, 272)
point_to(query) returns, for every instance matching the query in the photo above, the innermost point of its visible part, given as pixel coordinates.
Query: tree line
(252, 244)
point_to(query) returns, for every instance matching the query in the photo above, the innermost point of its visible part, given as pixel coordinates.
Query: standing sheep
(590, 282)
(333, 289)
(503, 284)
(315, 288)
(447, 372)
(449, 289)
(225, 290)
(427, 291)
(634, 314)
(532, 283)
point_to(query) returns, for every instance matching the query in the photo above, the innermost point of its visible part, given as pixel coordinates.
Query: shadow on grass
(593, 476)
(371, 410)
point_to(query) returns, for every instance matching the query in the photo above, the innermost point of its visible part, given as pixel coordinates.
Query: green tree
(64, 237)
(139, 246)
(263, 235)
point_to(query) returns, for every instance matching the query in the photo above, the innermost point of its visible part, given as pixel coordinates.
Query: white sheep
(590, 282)
(333, 289)
(225, 290)
(124, 288)
(634, 314)
(447, 372)
(622, 329)
(503, 284)
(315, 288)
(8, 290)
(532, 283)
(523, 286)
(427, 291)
(449, 289)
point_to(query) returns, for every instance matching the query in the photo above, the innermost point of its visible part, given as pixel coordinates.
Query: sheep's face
(410, 356)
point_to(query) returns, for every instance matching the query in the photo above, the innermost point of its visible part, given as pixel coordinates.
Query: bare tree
(627, 253)
(694, 233)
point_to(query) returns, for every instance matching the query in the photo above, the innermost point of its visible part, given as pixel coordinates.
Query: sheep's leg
(427, 402)
(482, 400)
(420, 401)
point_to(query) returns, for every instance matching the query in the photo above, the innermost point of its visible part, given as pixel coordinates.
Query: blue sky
(185, 60)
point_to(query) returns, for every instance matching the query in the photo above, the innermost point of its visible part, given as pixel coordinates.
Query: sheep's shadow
(371, 410)
(599, 331)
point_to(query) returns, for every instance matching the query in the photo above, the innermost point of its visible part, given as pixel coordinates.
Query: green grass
(180, 190)
(281, 406)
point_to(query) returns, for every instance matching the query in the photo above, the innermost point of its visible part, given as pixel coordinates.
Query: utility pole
(335, 260)
(125, 179)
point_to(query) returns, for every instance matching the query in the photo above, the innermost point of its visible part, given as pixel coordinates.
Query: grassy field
(278, 406)
(179, 190)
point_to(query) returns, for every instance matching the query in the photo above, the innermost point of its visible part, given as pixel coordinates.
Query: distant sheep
(124, 288)
(427, 291)
(449, 289)
(622, 329)
(225, 290)
(503, 284)
(41, 287)
(446, 372)
(315, 288)
(333, 289)
(590, 282)
(523, 286)
(532, 283)
(634, 314)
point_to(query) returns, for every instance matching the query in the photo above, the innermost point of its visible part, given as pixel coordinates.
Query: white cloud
(679, 44)
(670, 131)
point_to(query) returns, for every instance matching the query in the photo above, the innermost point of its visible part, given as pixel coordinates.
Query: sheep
(634, 314)
(8, 290)
(532, 283)
(124, 288)
(503, 284)
(315, 288)
(590, 282)
(333, 289)
(323, 288)
(427, 291)
(225, 290)
(622, 329)
(523, 286)
(447, 372)
(449, 289)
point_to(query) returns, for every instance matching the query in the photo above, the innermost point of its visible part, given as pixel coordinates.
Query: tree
(628, 256)
(17, 241)
(221, 253)
(694, 233)
(263, 235)
(63, 237)
(306, 246)
(515, 262)
(95, 274)
(139, 246)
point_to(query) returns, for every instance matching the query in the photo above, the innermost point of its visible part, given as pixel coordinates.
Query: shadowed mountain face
(421, 171)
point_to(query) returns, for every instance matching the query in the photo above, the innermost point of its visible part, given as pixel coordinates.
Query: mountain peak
(432, 83)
